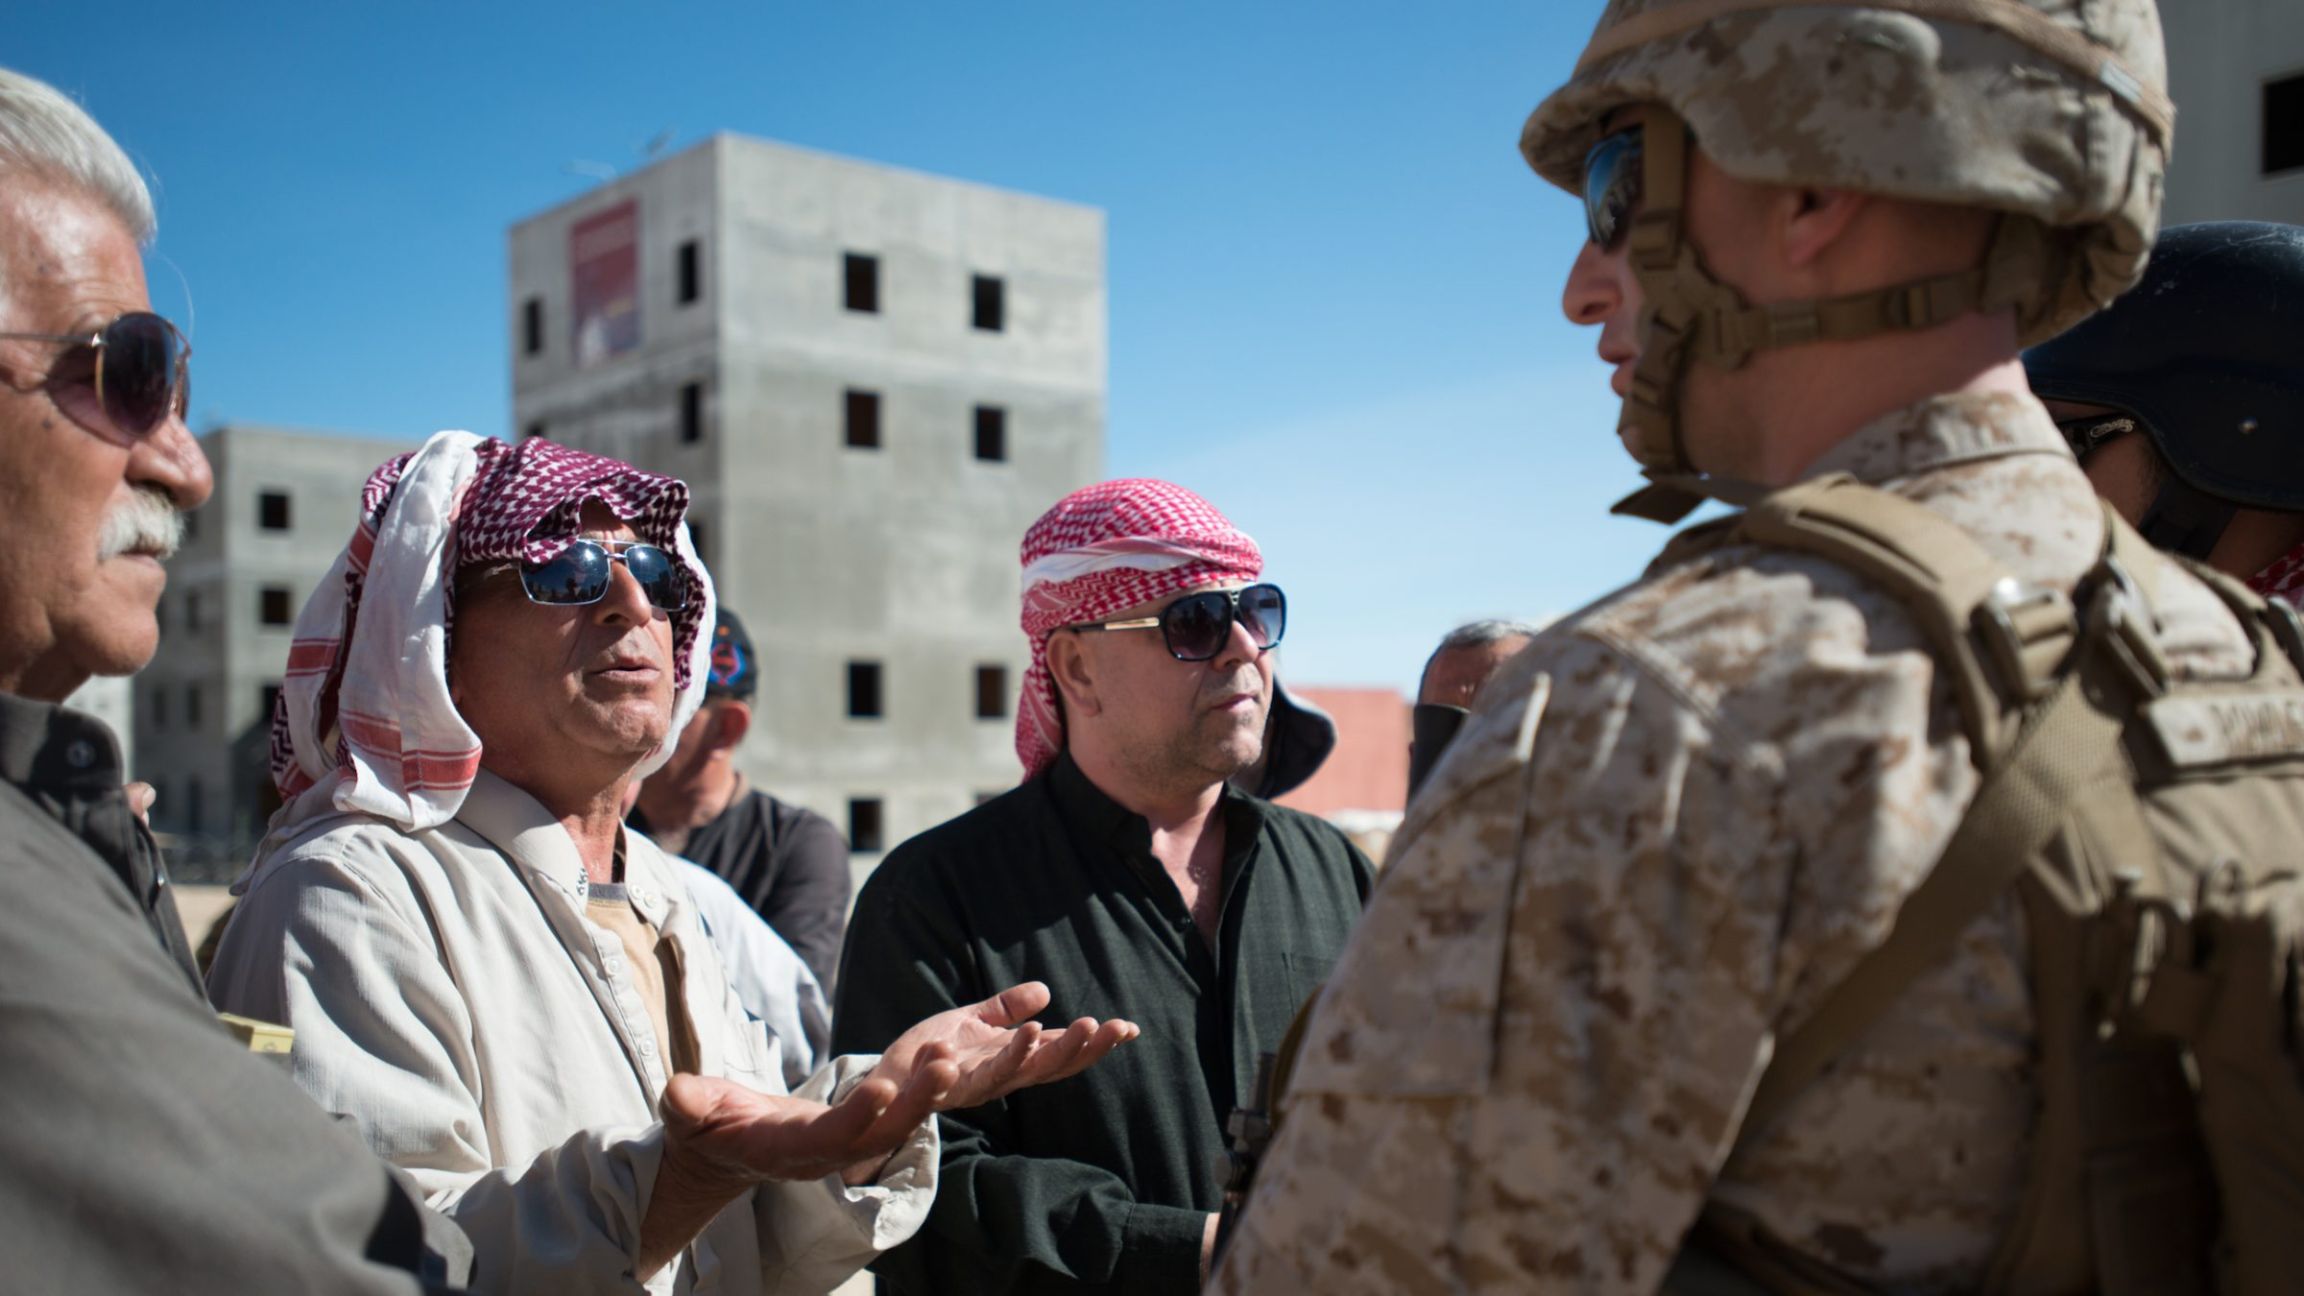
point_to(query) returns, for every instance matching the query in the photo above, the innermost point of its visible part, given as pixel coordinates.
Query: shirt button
(647, 1048)
(80, 754)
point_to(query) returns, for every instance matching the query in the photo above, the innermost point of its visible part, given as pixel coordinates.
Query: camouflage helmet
(2052, 109)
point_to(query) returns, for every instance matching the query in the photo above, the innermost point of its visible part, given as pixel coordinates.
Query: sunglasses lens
(658, 574)
(1195, 627)
(1611, 186)
(136, 372)
(578, 575)
(1264, 610)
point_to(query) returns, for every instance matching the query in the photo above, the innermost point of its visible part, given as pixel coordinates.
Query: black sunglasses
(1611, 187)
(2088, 433)
(1197, 626)
(128, 376)
(580, 575)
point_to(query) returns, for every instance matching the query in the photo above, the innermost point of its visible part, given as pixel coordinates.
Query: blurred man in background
(789, 863)
(2185, 399)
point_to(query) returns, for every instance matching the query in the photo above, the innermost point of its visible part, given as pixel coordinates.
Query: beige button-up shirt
(1676, 821)
(448, 994)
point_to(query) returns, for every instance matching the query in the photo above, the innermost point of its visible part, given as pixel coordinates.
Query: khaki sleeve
(1530, 1062)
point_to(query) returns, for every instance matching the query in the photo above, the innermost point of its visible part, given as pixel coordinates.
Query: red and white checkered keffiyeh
(1102, 549)
(2283, 580)
(364, 722)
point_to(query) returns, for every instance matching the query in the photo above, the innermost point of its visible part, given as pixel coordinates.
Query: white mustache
(146, 522)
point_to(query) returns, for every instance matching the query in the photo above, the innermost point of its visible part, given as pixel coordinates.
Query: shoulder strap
(2070, 742)
(2000, 644)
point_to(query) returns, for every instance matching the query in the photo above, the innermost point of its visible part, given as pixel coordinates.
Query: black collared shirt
(1104, 1181)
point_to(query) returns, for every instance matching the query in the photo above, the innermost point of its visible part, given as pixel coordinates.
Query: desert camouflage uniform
(1675, 821)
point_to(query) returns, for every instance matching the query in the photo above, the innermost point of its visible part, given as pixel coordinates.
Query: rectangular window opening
(2284, 124)
(691, 413)
(159, 706)
(860, 283)
(861, 419)
(864, 690)
(192, 610)
(864, 828)
(534, 431)
(696, 534)
(691, 272)
(268, 698)
(193, 796)
(532, 326)
(989, 312)
(991, 692)
(192, 706)
(272, 510)
(991, 434)
(275, 606)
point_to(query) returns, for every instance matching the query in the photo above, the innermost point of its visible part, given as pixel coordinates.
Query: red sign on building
(604, 273)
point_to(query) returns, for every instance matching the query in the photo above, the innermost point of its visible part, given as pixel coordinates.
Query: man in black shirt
(789, 864)
(1127, 875)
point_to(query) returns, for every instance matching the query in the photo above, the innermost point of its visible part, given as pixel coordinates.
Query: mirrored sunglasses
(1197, 626)
(1611, 187)
(128, 376)
(581, 572)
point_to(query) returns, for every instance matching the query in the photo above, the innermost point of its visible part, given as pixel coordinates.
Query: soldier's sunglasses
(1197, 626)
(1611, 187)
(128, 376)
(581, 572)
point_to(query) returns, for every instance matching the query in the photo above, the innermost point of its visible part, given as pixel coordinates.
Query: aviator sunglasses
(128, 376)
(580, 574)
(1611, 187)
(1197, 626)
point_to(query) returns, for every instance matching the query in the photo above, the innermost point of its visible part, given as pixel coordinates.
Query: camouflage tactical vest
(2151, 828)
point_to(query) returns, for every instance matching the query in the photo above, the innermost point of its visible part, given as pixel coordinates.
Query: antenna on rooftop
(656, 145)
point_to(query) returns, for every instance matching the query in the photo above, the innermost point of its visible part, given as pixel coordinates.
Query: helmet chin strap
(1687, 313)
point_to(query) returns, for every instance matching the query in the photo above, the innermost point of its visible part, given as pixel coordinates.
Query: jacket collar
(1942, 431)
(56, 752)
(518, 825)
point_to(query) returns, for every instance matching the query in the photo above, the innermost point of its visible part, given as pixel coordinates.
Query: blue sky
(1334, 286)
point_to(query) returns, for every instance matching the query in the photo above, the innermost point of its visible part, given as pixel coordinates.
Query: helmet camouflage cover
(2051, 109)
(2050, 112)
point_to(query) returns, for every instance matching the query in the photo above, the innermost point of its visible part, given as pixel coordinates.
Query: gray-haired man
(141, 1147)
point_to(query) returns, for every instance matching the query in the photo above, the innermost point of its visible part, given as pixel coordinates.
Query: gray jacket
(142, 1147)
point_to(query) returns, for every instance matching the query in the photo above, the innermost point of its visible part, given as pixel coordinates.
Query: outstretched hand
(996, 1048)
(721, 1137)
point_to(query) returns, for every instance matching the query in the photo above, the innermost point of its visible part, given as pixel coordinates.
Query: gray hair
(45, 134)
(1476, 634)
(1479, 634)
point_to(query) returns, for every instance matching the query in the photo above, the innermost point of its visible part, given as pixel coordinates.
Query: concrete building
(873, 380)
(284, 505)
(2236, 71)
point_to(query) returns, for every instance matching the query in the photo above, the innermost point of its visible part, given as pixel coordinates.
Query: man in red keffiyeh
(1129, 874)
(508, 993)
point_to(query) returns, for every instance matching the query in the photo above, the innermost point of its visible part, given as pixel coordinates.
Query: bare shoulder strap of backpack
(1963, 599)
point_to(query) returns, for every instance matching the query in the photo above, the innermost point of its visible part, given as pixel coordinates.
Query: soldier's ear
(1072, 666)
(1811, 222)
